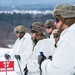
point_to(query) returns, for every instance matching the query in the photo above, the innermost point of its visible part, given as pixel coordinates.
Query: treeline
(9, 21)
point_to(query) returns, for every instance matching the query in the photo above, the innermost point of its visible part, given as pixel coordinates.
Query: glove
(7, 56)
(18, 57)
(25, 70)
(50, 57)
(40, 59)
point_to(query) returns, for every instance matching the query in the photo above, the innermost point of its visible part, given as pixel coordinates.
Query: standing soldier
(63, 62)
(49, 27)
(22, 49)
(41, 45)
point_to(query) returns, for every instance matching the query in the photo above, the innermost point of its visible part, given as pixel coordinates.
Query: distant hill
(8, 21)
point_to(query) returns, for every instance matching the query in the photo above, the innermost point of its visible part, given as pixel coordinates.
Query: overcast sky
(19, 2)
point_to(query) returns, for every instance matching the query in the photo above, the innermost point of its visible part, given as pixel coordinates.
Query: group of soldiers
(49, 48)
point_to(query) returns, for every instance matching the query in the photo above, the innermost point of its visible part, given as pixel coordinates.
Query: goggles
(33, 31)
(57, 20)
(17, 32)
(48, 27)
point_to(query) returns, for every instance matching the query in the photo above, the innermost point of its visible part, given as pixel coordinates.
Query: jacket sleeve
(25, 55)
(33, 66)
(62, 62)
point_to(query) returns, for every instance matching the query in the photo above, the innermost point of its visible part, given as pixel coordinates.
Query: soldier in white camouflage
(22, 49)
(41, 45)
(63, 61)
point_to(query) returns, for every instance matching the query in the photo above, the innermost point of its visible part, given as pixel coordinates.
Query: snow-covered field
(4, 50)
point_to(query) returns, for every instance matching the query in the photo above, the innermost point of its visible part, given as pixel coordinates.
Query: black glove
(50, 57)
(25, 70)
(18, 57)
(7, 56)
(41, 59)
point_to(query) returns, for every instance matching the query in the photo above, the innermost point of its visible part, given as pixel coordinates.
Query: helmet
(65, 10)
(20, 28)
(50, 23)
(56, 32)
(36, 23)
(38, 27)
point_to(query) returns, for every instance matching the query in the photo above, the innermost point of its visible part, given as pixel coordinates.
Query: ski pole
(7, 57)
(6, 66)
(19, 66)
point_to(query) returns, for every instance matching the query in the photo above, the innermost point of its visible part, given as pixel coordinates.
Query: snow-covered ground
(3, 51)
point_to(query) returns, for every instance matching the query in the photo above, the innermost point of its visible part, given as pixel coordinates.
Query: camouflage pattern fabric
(65, 10)
(50, 23)
(38, 27)
(20, 28)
